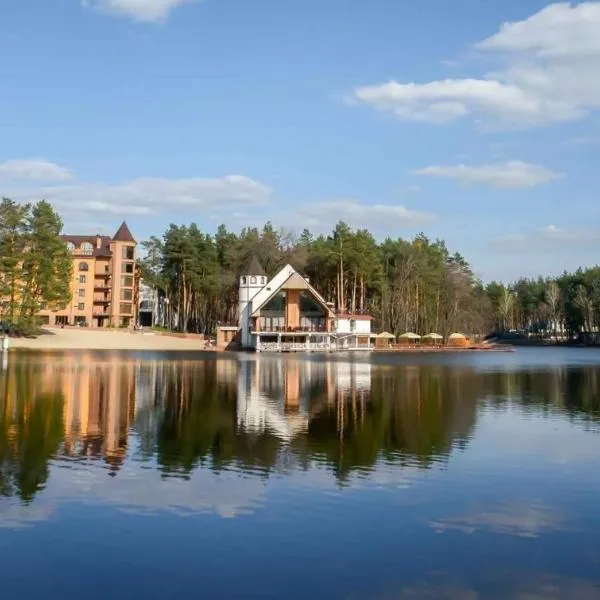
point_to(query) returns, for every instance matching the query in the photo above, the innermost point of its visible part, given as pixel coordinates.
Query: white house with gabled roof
(287, 314)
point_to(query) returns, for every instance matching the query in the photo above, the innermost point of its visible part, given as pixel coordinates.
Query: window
(126, 294)
(352, 325)
(81, 292)
(263, 280)
(275, 305)
(62, 320)
(70, 246)
(84, 267)
(127, 253)
(244, 280)
(126, 281)
(126, 267)
(82, 279)
(81, 306)
(86, 248)
(125, 309)
(252, 279)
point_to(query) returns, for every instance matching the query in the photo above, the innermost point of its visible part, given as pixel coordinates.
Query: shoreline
(100, 339)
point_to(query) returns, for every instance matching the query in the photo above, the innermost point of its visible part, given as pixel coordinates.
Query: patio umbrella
(410, 336)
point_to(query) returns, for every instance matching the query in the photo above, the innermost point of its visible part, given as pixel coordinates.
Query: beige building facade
(102, 282)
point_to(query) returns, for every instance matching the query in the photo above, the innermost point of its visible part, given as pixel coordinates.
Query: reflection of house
(288, 314)
(102, 284)
(281, 396)
(269, 399)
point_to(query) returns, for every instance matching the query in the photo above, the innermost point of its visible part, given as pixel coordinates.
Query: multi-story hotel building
(103, 282)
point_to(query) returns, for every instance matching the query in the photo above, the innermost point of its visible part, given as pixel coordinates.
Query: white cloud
(526, 520)
(152, 195)
(548, 239)
(511, 174)
(33, 169)
(140, 10)
(236, 199)
(558, 30)
(376, 217)
(548, 73)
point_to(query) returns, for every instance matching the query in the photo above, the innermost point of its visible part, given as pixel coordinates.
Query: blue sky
(475, 121)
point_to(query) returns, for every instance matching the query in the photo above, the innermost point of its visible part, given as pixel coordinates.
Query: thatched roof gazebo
(384, 339)
(458, 339)
(436, 338)
(409, 337)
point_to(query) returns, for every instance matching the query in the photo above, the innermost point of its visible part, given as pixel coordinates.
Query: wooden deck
(439, 348)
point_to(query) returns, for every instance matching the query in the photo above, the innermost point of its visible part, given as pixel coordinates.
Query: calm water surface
(468, 476)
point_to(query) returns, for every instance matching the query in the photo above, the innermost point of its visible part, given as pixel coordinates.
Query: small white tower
(252, 281)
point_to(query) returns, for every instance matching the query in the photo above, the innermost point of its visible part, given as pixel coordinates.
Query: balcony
(102, 301)
(305, 329)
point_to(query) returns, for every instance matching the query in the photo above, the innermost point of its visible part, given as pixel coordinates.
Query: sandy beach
(97, 339)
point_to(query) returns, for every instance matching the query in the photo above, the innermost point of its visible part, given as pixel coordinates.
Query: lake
(452, 476)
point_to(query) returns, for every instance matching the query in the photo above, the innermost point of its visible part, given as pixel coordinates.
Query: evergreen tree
(47, 266)
(13, 238)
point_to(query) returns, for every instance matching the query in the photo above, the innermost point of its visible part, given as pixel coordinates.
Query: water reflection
(257, 415)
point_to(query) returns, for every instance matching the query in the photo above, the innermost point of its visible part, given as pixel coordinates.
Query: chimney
(98, 241)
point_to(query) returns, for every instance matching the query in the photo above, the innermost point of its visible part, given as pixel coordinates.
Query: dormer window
(70, 246)
(244, 280)
(263, 280)
(252, 279)
(87, 248)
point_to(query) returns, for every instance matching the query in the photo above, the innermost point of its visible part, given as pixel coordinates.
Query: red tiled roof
(77, 240)
(355, 316)
(123, 234)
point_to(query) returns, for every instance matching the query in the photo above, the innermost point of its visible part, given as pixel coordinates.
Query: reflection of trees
(411, 416)
(568, 391)
(31, 430)
(198, 422)
(186, 413)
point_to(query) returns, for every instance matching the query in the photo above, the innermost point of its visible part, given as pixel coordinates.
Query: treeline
(416, 285)
(564, 308)
(35, 264)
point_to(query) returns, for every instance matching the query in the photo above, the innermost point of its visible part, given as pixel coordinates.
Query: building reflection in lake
(281, 396)
(255, 414)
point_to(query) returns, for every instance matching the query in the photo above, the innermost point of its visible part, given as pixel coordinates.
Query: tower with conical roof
(252, 280)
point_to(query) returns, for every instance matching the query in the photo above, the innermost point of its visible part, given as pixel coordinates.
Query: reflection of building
(287, 314)
(280, 396)
(99, 404)
(103, 281)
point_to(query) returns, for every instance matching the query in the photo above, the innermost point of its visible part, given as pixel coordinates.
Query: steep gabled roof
(287, 274)
(254, 267)
(123, 234)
